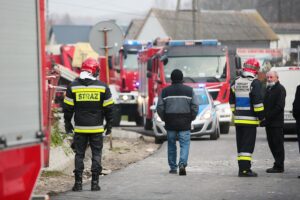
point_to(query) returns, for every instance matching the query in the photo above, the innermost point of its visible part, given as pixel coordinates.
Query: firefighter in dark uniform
(246, 102)
(91, 102)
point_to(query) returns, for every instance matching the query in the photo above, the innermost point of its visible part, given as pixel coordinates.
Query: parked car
(206, 122)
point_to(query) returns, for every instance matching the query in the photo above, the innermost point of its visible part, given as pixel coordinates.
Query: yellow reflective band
(258, 109)
(108, 103)
(232, 109)
(68, 102)
(100, 130)
(87, 96)
(88, 90)
(244, 158)
(238, 121)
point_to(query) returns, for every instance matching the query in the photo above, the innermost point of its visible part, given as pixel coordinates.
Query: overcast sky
(122, 10)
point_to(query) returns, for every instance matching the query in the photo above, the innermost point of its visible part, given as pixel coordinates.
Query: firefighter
(247, 105)
(90, 101)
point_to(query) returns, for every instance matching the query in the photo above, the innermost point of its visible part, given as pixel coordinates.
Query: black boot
(247, 173)
(78, 183)
(95, 182)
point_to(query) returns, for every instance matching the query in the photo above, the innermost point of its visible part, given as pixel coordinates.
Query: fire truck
(26, 95)
(129, 82)
(123, 73)
(203, 62)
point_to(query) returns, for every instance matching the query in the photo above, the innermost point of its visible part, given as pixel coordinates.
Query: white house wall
(285, 40)
(152, 29)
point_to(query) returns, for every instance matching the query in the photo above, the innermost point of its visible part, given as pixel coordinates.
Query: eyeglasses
(270, 76)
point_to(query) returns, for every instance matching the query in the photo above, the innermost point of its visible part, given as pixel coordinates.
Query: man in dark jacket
(274, 103)
(296, 113)
(178, 107)
(90, 101)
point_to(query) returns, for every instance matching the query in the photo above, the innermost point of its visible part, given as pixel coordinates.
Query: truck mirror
(149, 75)
(164, 59)
(238, 62)
(149, 65)
(153, 108)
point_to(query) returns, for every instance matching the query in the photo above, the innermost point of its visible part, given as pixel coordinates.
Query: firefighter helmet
(251, 65)
(90, 65)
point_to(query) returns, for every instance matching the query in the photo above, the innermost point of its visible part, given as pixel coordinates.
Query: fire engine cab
(203, 62)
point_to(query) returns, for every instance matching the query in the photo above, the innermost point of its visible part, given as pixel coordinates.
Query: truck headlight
(124, 97)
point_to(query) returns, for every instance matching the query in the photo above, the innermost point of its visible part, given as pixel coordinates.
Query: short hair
(273, 72)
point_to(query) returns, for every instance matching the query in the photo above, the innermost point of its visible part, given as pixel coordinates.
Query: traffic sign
(104, 36)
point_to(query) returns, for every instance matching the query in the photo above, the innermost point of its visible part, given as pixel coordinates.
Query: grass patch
(51, 173)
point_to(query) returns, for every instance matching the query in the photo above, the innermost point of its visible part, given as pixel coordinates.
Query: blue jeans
(184, 141)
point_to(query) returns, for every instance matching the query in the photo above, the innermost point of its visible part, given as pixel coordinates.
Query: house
(68, 34)
(235, 29)
(288, 34)
(244, 28)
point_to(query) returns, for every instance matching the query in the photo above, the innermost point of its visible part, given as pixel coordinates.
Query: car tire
(159, 140)
(215, 135)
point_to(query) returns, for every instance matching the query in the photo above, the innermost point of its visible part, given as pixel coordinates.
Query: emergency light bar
(132, 42)
(193, 43)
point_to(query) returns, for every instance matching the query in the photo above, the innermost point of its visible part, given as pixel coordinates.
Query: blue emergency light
(201, 85)
(132, 42)
(193, 43)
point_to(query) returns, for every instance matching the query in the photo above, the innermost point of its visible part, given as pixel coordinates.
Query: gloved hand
(262, 123)
(69, 127)
(107, 128)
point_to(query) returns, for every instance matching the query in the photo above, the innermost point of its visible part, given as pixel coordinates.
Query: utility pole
(194, 10)
(279, 11)
(178, 5)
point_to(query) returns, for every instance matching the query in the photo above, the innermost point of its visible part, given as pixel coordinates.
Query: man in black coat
(296, 113)
(274, 103)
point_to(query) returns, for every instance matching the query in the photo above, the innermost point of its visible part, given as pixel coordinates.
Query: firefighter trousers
(81, 142)
(245, 140)
(275, 139)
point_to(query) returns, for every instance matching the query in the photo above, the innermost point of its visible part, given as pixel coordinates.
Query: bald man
(274, 102)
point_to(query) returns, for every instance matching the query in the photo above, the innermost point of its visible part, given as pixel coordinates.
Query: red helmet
(90, 65)
(251, 65)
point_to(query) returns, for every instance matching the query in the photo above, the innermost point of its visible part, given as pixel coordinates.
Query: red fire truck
(203, 62)
(123, 74)
(25, 101)
(129, 83)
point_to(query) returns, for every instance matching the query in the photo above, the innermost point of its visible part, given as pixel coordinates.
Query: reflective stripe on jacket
(91, 102)
(246, 101)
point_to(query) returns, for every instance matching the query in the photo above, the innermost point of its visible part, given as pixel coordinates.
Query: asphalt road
(211, 175)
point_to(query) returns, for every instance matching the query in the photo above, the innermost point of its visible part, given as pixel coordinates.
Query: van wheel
(224, 128)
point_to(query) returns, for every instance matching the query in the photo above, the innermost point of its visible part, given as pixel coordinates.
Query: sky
(122, 10)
